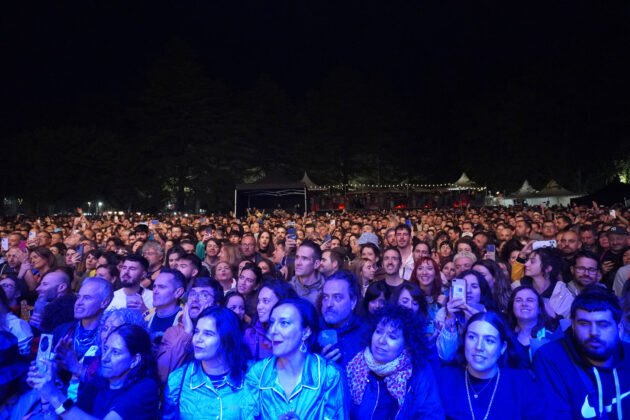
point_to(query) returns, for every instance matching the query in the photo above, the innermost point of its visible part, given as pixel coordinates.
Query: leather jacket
(320, 395)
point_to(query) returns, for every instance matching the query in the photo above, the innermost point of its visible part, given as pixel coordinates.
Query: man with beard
(586, 271)
(391, 265)
(612, 259)
(404, 244)
(248, 248)
(340, 296)
(588, 237)
(174, 347)
(57, 301)
(153, 251)
(569, 245)
(308, 281)
(586, 374)
(132, 295)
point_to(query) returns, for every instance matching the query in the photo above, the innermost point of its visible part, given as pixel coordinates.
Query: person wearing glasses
(153, 251)
(174, 349)
(586, 271)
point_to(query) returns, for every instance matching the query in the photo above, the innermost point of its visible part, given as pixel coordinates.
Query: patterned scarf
(396, 373)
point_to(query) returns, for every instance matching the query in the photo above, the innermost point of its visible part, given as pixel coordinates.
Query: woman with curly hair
(391, 378)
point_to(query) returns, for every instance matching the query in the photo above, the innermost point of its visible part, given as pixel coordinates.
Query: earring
(303, 348)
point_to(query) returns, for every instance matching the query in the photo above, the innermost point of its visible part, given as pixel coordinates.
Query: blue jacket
(189, 394)
(574, 388)
(320, 395)
(352, 337)
(422, 400)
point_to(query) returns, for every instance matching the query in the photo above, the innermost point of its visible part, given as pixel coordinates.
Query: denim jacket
(320, 395)
(189, 394)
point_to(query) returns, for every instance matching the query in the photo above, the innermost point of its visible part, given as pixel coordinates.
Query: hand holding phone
(43, 352)
(544, 244)
(491, 252)
(327, 337)
(458, 289)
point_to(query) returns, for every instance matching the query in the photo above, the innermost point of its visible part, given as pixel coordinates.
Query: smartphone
(613, 214)
(327, 337)
(202, 220)
(408, 222)
(458, 289)
(291, 233)
(491, 251)
(33, 235)
(5, 244)
(22, 245)
(43, 351)
(80, 250)
(327, 238)
(155, 222)
(333, 222)
(544, 244)
(143, 223)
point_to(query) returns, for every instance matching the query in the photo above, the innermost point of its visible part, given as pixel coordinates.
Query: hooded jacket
(576, 389)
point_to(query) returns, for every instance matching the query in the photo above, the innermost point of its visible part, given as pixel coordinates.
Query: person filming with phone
(469, 294)
(346, 333)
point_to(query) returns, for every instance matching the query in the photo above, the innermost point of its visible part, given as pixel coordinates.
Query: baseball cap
(618, 230)
(368, 237)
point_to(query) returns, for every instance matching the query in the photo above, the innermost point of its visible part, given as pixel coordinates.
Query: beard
(599, 354)
(128, 283)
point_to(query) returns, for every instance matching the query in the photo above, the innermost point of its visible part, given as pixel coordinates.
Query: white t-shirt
(406, 268)
(20, 328)
(120, 299)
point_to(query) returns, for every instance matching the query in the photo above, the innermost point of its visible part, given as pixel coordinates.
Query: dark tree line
(180, 106)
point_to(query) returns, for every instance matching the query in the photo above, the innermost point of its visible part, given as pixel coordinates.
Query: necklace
(496, 385)
(475, 392)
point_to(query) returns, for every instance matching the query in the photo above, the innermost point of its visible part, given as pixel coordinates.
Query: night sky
(416, 91)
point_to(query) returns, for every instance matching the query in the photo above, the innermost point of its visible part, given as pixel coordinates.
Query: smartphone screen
(43, 351)
(5, 244)
(458, 289)
(291, 233)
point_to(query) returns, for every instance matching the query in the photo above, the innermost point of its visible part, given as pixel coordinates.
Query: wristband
(67, 405)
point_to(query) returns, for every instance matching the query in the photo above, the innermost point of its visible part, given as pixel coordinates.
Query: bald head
(53, 284)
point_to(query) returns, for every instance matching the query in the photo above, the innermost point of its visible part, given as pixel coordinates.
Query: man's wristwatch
(67, 405)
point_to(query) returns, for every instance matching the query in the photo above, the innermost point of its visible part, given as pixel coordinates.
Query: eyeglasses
(203, 295)
(590, 270)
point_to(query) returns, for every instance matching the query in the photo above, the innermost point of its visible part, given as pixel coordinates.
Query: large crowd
(468, 313)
